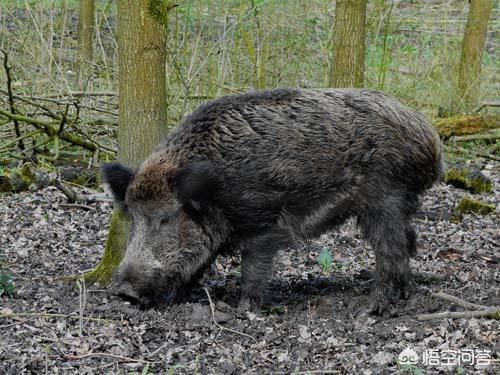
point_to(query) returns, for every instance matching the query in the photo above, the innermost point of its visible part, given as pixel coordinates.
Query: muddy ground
(309, 325)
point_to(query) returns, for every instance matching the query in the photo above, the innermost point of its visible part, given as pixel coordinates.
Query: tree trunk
(85, 39)
(472, 50)
(143, 107)
(348, 58)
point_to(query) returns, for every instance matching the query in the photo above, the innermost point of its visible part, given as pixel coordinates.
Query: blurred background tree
(469, 74)
(86, 22)
(347, 65)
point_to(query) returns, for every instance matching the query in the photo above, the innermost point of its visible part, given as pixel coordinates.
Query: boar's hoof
(377, 306)
(382, 299)
(249, 304)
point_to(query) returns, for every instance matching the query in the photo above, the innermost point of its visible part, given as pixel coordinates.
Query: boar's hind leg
(411, 240)
(393, 239)
(256, 265)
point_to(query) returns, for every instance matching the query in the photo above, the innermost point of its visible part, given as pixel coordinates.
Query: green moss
(469, 205)
(158, 9)
(114, 250)
(5, 185)
(16, 179)
(465, 178)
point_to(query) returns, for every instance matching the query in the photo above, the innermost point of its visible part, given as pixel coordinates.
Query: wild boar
(254, 172)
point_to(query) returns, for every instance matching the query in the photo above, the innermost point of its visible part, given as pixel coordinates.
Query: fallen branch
(491, 313)
(487, 104)
(458, 301)
(52, 315)
(466, 124)
(30, 176)
(490, 135)
(78, 206)
(114, 356)
(461, 150)
(44, 108)
(73, 196)
(19, 139)
(221, 327)
(53, 128)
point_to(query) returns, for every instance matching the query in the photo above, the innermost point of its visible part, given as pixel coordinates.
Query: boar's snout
(126, 291)
(142, 286)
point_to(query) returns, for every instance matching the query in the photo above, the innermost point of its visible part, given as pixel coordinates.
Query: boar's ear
(194, 184)
(118, 177)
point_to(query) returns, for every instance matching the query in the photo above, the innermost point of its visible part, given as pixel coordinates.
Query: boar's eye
(166, 218)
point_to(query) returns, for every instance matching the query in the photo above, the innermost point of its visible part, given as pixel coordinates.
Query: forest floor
(310, 325)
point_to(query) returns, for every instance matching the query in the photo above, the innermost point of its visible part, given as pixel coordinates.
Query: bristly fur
(254, 171)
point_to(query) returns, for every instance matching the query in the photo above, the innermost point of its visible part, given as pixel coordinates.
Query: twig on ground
(489, 135)
(459, 301)
(457, 150)
(114, 356)
(79, 206)
(487, 104)
(221, 327)
(158, 350)
(491, 313)
(73, 196)
(52, 315)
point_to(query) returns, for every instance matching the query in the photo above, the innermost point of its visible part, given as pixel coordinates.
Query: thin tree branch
(458, 301)
(457, 150)
(17, 129)
(51, 129)
(51, 315)
(491, 312)
(114, 356)
(221, 327)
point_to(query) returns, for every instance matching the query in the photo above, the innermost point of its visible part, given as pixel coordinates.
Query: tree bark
(348, 57)
(472, 50)
(85, 38)
(143, 107)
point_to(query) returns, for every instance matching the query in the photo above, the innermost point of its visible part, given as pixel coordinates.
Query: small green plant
(325, 261)
(274, 310)
(7, 287)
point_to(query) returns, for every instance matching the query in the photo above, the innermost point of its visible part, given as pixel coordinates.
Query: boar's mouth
(155, 290)
(159, 298)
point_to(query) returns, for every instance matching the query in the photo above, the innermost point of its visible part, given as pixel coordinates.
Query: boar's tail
(435, 168)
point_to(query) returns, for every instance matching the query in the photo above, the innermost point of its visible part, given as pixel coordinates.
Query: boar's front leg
(256, 265)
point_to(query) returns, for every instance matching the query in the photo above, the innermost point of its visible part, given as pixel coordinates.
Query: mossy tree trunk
(472, 50)
(86, 22)
(348, 57)
(143, 107)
